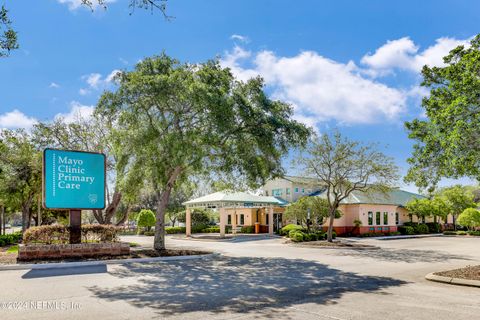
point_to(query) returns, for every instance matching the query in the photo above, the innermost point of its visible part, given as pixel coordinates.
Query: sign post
(73, 180)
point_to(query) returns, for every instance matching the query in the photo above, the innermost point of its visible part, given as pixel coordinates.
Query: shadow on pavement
(403, 255)
(239, 285)
(57, 272)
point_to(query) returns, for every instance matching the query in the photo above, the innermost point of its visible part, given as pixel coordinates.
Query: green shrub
(309, 237)
(334, 235)
(449, 233)
(289, 227)
(421, 228)
(248, 229)
(149, 233)
(296, 236)
(198, 228)
(8, 239)
(146, 219)
(406, 230)
(175, 230)
(394, 233)
(292, 232)
(434, 227)
(211, 230)
(320, 235)
(461, 233)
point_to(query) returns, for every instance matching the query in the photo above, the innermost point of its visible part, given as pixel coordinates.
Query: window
(266, 217)
(377, 218)
(303, 190)
(242, 219)
(385, 218)
(396, 218)
(266, 193)
(296, 190)
(370, 218)
(229, 220)
(287, 191)
(277, 192)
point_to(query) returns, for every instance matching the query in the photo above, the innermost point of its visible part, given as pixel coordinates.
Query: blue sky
(347, 64)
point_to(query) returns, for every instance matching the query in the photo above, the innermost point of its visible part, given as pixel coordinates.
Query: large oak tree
(448, 140)
(174, 120)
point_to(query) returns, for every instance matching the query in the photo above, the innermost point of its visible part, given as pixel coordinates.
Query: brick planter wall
(82, 250)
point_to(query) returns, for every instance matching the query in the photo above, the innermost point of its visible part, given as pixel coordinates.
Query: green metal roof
(396, 197)
(239, 197)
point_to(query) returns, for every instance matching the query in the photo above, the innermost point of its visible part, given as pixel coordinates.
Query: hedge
(300, 236)
(248, 229)
(174, 230)
(195, 229)
(406, 230)
(58, 234)
(8, 239)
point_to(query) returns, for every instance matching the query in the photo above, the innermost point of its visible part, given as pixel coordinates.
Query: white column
(270, 220)
(188, 222)
(223, 222)
(234, 221)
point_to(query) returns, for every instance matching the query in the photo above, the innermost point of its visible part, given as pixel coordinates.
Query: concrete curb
(333, 247)
(455, 281)
(417, 236)
(59, 265)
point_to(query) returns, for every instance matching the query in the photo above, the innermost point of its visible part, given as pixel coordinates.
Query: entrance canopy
(225, 199)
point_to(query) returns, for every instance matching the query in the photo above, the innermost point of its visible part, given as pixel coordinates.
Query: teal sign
(73, 179)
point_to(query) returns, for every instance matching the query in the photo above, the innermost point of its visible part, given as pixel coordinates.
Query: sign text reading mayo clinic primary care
(73, 179)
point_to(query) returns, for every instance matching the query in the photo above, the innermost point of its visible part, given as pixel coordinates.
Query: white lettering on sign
(70, 174)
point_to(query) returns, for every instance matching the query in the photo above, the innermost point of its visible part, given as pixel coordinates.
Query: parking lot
(260, 278)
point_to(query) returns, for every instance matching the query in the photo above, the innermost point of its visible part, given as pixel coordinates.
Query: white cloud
(233, 60)
(83, 91)
(320, 89)
(95, 81)
(76, 4)
(77, 111)
(54, 85)
(240, 38)
(111, 76)
(16, 119)
(404, 54)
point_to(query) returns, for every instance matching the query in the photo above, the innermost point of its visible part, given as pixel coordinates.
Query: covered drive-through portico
(238, 209)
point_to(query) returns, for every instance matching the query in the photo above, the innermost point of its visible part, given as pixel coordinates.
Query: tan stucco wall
(250, 214)
(360, 212)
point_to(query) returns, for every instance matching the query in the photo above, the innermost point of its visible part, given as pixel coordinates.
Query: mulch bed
(11, 258)
(469, 273)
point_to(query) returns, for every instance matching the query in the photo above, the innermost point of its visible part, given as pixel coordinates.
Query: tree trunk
(330, 225)
(159, 240)
(98, 214)
(124, 219)
(454, 223)
(1, 220)
(105, 216)
(4, 220)
(162, 198)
